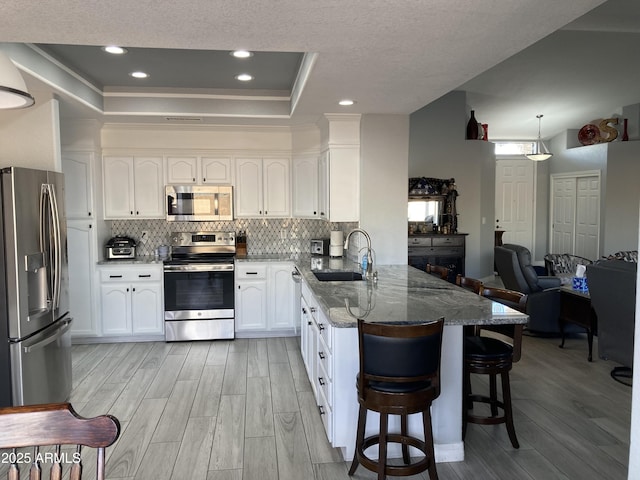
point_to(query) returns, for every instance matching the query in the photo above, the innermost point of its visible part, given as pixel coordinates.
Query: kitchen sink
(338, 276)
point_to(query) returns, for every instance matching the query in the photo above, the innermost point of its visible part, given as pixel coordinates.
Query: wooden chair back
(512, 334)
(469, 283)
(438, 271)
(30, 427)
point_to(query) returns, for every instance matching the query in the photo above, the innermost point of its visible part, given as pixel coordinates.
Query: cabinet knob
(321, 409)
(321, 326)
(321, 380)
(194, 180)
(321, 355)
(131, 212)
(204, 180)
(137, 212)
(89, 213)
(313, 309)
(133, 289)
(304, 310)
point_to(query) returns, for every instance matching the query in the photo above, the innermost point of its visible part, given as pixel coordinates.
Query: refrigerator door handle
(62, 329)
(57, 245)
(50, 227)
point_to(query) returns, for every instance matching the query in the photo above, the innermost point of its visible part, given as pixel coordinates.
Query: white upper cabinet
(263, 187)
(77, 168)
(184, 170)
(215, 169)
(305, 186)
(133, 187)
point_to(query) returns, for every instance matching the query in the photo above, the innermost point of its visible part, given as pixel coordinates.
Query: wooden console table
(575, 307)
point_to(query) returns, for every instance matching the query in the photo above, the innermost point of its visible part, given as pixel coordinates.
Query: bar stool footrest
(395, 470)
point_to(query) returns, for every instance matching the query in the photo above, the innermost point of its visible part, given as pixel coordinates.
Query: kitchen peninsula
(402, 294)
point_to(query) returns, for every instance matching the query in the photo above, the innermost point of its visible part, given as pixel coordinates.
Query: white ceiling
(391, 56)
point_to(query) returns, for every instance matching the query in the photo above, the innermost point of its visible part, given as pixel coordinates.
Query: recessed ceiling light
(244, 77)
(346, 102)
(242, 53)
(139, 74)
(115, 50)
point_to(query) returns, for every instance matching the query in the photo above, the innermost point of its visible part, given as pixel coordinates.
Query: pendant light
(13, 90)
(540, 151)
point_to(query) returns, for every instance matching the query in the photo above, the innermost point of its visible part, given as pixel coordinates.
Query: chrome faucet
(369, 272)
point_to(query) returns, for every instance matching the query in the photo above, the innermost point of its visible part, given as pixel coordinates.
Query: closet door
(575, 200)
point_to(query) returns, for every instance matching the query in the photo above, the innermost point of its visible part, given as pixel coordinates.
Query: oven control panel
(204, 239)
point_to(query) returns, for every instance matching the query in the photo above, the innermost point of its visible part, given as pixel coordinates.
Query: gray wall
(384, 147)
(437, 148)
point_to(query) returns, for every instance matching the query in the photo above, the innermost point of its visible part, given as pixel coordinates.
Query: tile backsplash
(282, 236)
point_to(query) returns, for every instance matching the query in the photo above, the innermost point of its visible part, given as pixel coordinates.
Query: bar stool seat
(487, 355)
(399, 375)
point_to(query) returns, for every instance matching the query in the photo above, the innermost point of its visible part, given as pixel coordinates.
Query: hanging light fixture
(13, 90)
(540, 151)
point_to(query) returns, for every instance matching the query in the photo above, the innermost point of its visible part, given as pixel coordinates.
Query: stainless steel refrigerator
(35, 336)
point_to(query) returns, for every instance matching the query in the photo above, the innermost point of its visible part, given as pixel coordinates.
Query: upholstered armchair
(513, 264)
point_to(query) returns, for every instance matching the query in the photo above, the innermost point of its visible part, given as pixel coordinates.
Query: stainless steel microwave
(199, 203)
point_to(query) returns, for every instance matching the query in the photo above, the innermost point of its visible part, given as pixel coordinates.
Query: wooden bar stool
(493, 355)
(399, 375)
(469, 283)
(438, 271)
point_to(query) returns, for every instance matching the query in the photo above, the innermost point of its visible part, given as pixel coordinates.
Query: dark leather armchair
(513, 264)
(612, 286)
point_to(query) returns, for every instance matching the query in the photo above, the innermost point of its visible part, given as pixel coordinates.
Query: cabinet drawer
(326, 414)
(250, 272)
(325, 329)
(324, 384)
(324, 358)
(447, 241)
(130, 275)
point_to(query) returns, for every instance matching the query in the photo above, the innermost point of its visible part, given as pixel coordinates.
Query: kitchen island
(402, 294)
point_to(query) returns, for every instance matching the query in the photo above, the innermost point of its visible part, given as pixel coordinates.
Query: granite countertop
(142, 260)
(402, 294)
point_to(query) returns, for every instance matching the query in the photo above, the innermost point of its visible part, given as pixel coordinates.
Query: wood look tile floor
(243, 409)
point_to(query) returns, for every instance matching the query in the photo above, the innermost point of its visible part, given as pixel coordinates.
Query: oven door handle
(199, 268)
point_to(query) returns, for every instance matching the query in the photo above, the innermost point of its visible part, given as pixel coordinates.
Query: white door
(182, 170)
(248, 194)
(251, 305)
(588, 217)
(216, 169)
(78, 184)
(575, 201)
(514, 201)
(280, 291)
(563, 227)
(116, 308)
(305, 186)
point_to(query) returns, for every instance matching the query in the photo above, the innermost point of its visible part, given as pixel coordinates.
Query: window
(514, 148)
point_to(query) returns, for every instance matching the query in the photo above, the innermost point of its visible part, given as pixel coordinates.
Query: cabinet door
(147, 311)
(251, 311)
(277, 187)
(215, 169)
(323, 186)
(81, 241)
(115, 308)
(76, 167)
(344, 184)
(305, 187)
(182, 170)
(280, 296)
(149, 188)
(118, 187)
(248, 193)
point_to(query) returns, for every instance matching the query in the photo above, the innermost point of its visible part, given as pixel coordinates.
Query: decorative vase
(485, 132)
(472, 127)
(625, 134)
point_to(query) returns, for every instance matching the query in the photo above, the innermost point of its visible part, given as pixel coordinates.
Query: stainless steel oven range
(199, 286)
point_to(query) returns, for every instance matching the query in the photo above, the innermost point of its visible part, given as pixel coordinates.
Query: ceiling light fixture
(13, 90)
(540, 151)
(139, 74)
(242, 53)
(346, 102)
(244, 77)
(115, 50)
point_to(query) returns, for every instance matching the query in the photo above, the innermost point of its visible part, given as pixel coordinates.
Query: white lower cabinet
(131, 300)
(265, 298)
(331, 358)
